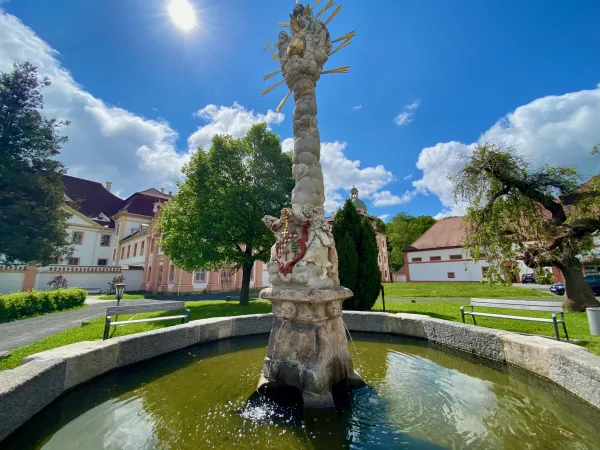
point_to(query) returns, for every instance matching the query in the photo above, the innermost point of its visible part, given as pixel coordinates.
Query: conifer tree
(357, 250)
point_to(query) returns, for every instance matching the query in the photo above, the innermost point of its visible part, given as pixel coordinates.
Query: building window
(105, 240)
(142, 249)
(455, 256)
(118, 226)
(115, 254)
(435, 258)
(451, 275)
(484, 271)
(417, 259)
(122, 252)
(199, 275)
(103, 262)
(128, 251)
(73, 261)
(134, 250)
(172, 273)
(149, 273)
(77, 238)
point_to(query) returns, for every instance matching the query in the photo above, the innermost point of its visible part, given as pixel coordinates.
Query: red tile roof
(91, 198)
(141, 204)
(447, 232)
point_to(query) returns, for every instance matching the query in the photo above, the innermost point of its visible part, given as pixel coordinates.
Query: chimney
(170, 192)
(108, 185)
(162, 190)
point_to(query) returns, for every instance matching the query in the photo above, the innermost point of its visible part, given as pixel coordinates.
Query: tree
(540, 216)
(32, 222)
(216, 217)
(356, 245)
(402, 231)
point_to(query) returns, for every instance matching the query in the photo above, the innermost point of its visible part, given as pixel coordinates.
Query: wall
(138, 259)
(11, 279)
(464, 269)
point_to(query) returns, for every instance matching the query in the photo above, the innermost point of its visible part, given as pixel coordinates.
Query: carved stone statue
(308, 347)
(304, 259)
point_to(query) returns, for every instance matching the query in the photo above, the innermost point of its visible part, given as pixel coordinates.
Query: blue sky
(428, 80)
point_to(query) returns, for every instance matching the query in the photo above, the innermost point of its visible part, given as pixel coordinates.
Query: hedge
(35, 303)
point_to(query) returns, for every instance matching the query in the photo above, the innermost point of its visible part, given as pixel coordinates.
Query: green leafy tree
(402, 231)
(357, 249)
(32, 222)
(540, 216)
(216, 217)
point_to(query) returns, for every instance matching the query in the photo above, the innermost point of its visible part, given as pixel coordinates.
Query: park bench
(93, 290)
(522, 305)
(136, 309)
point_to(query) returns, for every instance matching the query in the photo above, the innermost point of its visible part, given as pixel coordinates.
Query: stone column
(164, 285)
(213, 281)
(154, 268)
(186, 282)
(258, 272)
(29, 278)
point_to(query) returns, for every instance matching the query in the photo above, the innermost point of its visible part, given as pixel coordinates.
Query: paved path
(27, 331)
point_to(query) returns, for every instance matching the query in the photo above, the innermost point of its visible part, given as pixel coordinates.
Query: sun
(182, 14)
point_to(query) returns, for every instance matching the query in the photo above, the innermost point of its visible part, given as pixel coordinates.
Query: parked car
(594, 282)
(528, 278)
(558, 288)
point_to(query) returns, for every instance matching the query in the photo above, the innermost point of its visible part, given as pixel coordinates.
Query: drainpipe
(179, 284)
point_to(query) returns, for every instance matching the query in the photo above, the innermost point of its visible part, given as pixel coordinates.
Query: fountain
(308, 348)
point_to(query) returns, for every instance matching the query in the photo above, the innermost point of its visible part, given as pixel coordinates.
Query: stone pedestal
(308, 346)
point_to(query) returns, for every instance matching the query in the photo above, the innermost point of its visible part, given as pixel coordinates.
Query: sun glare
(182, 14)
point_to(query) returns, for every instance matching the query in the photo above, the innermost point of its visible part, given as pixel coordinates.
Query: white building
(438, 255)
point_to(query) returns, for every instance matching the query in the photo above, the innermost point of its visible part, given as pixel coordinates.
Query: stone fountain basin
(43, 377)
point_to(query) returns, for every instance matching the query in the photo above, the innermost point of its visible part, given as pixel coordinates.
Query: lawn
(95, 330)
(458, 290)
(577, 323)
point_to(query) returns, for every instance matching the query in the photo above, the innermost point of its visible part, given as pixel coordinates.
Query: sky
(428, 81)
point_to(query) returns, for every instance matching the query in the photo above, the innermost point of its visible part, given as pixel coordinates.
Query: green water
(419, 397)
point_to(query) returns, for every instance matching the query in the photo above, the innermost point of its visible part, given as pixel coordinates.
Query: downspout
(179, 284)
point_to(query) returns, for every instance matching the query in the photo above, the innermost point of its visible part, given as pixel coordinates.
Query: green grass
(95, 330)
(458, 290)
(577, 323)
(125, 297)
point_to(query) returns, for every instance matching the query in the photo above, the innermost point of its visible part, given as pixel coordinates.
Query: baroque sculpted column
(308, 347)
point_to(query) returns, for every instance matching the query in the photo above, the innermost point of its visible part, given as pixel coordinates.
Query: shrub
(21, 305)
(357, 250)
(115, 280)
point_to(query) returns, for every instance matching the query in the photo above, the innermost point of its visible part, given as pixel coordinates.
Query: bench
(93, 290)
(136, 309)
(522, 305)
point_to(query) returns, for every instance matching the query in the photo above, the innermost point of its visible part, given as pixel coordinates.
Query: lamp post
(119, 289)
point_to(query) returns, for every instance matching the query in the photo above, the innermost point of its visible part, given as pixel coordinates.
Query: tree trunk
(579, 293)
(245, 291)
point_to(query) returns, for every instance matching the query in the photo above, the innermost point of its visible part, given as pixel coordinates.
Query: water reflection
(419, 397)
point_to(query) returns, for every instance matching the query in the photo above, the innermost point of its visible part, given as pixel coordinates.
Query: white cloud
(386, 198)
(409, 176)
(555, 130)
(406, 117)
(357, 108)
(341, 174)
(104, 141)
(234, 120)
(287, 145)
(384, 217)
